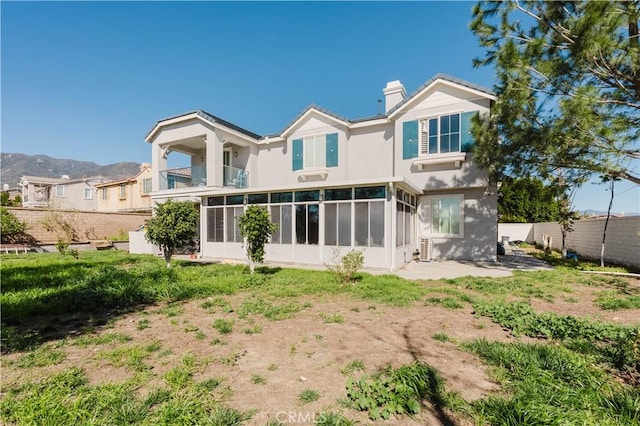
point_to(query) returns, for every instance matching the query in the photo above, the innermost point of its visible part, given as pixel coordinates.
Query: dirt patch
(266, 364)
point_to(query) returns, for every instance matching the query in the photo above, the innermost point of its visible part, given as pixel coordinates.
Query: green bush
(346, 267)
(12, 227)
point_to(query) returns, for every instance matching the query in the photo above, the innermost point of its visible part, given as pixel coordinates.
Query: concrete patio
(434, 270)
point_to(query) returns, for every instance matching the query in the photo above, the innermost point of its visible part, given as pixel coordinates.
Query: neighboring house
(126, 195)
(389, 184)
(61, 194)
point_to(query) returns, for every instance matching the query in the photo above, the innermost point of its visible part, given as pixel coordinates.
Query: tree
(12, 227)
(256, 227)
(568, 89)
(173, 226)
(527, 200)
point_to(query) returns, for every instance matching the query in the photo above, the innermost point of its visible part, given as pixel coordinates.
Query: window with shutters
(315, 152)
(440, 135)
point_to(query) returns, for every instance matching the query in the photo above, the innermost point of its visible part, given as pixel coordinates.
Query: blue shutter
(466, 138)
(296, 154)
(332, 150)
(409, 139)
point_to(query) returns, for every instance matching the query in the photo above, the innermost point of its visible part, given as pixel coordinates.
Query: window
(233, 232)
(369, 226)
(446, 215)
(307, 218)
(146, 186)
(257, 198)
(104, 194)
(315, 152)
(123, 191)
(337, 224)
(88, 193)
(440, 135)
(235, 199)
(281, 197)
(281, 215)
(405, 214)
(215, 224)
(61, 190)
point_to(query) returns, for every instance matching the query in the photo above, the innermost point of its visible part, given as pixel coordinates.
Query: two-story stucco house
(127, 195)
(391, 184)
(61, 194)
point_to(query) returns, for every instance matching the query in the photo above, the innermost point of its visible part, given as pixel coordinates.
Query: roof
(441, 77)
(60, 181)
(210, 118)
(214, 119)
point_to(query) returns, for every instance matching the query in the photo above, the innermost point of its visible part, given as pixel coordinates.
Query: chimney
(394, 93)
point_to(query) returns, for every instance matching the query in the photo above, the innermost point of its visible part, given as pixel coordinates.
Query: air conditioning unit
(425, 250)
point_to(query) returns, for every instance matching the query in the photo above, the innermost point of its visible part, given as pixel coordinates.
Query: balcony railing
(235, 177)
(187, 177)
(184, 177)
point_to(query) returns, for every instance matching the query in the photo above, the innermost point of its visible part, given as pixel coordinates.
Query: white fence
(622, 245)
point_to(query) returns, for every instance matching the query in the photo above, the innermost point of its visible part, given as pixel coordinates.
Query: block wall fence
(622, 245)
(88, 225)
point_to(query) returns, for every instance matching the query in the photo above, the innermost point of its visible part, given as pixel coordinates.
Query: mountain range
(15, 165)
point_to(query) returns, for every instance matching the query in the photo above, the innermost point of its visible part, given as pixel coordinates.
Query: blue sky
(88, 80)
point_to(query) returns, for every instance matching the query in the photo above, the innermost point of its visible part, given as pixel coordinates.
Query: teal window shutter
(409, 139)
(296, 152)
(332, 150)
(465, 131)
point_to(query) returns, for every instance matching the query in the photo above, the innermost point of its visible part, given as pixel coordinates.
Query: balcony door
(226, 163)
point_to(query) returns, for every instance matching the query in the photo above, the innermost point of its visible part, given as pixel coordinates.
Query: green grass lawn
(579, 371)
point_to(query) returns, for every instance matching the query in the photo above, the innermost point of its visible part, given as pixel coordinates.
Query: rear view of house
(390, 184)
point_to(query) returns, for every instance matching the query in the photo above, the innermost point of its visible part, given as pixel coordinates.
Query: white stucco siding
(478, 237)
(369, 152)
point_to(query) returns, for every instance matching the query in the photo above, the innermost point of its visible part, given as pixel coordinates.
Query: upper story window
(315, 152)
(440, 135)
(444, 134)
(61, 190)
(146, 186)
(123, 191)
(88, 193)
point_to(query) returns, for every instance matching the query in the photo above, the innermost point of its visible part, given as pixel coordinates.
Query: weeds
(308, 395)
(223, 326)
(399, 391)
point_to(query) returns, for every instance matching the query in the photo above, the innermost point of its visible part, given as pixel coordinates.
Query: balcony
(196, 176)
(184, 177)
(235, 177)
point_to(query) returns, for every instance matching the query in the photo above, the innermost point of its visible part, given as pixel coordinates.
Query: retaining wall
(88, 225)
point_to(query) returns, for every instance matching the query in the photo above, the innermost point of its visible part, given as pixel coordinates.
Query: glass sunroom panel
(344, 224)
(330, 224)
(376, 211)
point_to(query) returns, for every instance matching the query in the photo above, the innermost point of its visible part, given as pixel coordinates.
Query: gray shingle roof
(443, 77)
(213, 119)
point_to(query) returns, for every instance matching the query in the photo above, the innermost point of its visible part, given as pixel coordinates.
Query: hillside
(15, 165)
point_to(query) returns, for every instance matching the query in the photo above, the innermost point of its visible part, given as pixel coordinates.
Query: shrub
(346, 267)
(12, 227)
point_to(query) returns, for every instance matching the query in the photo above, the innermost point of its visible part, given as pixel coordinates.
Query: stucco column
(214, 159)
(158, 164)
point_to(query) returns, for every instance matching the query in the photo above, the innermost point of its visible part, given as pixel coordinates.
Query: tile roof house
(62, 194)
(392, 184)
(127, 195)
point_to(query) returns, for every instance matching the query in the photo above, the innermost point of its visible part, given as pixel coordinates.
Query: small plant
(441, 337)
(353, 366)
(200, 335)
(172, 310)
(257, 379)
(397, 391)
(142, 324)
(230, 360)
(335, 318)
(346, 267)
(223, 326)
(41, 357)
(218, 341)
(256, 329)
(272, 367)
(308, 395)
